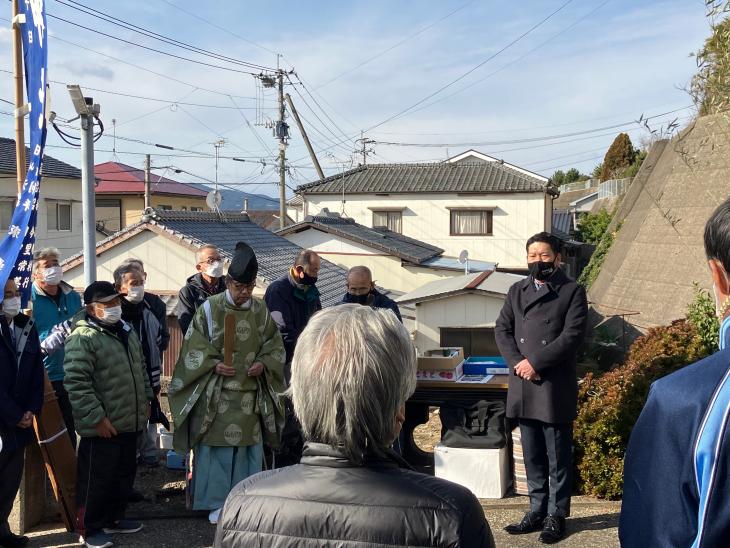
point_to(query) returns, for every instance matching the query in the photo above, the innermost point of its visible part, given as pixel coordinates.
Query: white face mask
(111, 315)
(53, 275)
(214, 270)
(135, 294)
(11, 307)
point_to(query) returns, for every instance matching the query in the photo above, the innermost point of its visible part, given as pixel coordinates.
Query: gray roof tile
(51, 166)
(408, 249)
(438, 177)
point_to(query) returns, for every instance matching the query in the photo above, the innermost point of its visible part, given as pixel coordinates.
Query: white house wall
(53, 190)
(465, 310)
(426, 217)
(387, 270)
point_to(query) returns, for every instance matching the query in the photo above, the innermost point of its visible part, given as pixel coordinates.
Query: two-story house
(470, 202)
(120, 195)
(59, 207)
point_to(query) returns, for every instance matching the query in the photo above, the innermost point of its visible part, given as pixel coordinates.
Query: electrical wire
(78, 6)
(394, 46)
(471, 70)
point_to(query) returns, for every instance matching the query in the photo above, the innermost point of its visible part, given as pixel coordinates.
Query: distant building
(471, 202)
(120, 195)
(59, 207)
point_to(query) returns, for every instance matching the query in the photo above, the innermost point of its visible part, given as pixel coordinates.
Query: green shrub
(593, 268)
(609, 406)
(592, 226)
(701, 314)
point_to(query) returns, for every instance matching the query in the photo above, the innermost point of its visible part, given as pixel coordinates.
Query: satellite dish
(214, 199)
(463, 256)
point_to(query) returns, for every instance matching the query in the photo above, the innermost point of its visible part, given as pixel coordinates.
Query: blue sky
(593, 64)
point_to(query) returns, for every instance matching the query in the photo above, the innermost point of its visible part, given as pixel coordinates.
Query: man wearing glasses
(216, 401)
(206, 283)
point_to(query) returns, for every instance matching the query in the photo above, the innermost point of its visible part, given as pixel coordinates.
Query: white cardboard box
(485, 472)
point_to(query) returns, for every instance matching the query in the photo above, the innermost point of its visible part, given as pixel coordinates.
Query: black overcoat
(547, 327)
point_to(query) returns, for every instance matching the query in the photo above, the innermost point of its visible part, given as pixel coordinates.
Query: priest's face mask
(240, 292)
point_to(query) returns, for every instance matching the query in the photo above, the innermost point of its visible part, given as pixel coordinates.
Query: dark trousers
(547, 449)
(105, 477)
(11, 472)
(65, 405)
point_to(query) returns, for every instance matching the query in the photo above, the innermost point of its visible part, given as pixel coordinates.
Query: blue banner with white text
(16, 248)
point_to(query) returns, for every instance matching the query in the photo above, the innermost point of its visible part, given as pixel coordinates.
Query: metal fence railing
(613, 187)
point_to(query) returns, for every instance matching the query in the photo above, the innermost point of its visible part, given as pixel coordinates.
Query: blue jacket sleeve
(659, 505)
(281, 313)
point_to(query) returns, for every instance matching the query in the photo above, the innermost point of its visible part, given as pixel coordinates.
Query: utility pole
(21, 109)
(87, 111)
(312, 155)
(282, 132)
(147, 177)
(218, 144)
(364, 142)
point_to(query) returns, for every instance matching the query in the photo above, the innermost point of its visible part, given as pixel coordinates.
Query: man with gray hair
(54, 303)
(207, 282)
(354, 367)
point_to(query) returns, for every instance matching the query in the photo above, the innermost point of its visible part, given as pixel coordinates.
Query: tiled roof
(406, 248)
(51, 166)
(492, 177)
(267, 218)
(488, 281)
(274, 253)
(117, 178)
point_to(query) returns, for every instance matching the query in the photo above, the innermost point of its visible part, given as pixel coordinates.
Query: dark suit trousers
(105, 471)
(547, 449)
(11, 472)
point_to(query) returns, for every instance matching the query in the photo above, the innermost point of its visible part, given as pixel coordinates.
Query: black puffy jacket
(327, 501)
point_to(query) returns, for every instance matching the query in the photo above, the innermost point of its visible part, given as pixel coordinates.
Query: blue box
(175, 461)
(485, 365)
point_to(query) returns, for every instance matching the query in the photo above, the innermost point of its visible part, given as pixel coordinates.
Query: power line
(318, 105)
(157, 36)
(500, 69)
(467, 73)
(527, 140)
(394, 46)
(129, 42)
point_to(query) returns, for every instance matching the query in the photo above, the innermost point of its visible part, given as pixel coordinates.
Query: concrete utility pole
(21, 109)
(364, 142)
(282, 133)
(305, 137)
(147, 177)
(87, 111)
(218, 144)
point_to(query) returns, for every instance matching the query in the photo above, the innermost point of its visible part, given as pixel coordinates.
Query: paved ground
(594, 524)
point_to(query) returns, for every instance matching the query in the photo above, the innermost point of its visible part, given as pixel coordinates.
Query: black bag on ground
(474, 425)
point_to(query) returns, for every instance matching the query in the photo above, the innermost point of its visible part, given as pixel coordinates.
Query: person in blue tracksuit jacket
(54, 302)
(677, 465)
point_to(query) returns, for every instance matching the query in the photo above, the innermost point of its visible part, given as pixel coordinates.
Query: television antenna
(464, 259)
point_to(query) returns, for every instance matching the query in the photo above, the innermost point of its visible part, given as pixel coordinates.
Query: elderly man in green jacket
(110, 396)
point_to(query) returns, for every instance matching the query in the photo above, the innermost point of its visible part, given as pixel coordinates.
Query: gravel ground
(594, 523)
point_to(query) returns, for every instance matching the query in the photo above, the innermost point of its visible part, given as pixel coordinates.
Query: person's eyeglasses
(240, 288)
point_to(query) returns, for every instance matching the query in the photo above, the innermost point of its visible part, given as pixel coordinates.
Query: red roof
(116, 178)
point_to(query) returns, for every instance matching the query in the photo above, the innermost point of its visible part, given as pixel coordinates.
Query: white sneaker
(214, 515)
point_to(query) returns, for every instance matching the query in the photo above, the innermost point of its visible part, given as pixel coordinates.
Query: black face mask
(356, 299)
(308, 280)
(541, 270)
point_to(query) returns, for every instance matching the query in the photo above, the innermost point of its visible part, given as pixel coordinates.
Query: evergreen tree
(620, 156)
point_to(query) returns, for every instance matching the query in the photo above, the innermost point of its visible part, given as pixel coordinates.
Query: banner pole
(19, 101)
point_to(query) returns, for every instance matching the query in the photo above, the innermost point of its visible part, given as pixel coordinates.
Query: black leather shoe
(553, 530)
(13, 541)
(529, 524)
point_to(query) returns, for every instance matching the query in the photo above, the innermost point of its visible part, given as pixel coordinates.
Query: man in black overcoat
(539, 331)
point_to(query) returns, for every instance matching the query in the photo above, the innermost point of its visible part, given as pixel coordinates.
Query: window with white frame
(59, 216)
(471, 222)
(392, 220)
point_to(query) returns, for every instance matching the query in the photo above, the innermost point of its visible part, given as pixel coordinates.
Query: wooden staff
(58, 454)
